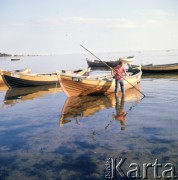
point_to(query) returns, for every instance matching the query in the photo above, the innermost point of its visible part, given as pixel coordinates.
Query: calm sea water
(45, 135)
(40, 64)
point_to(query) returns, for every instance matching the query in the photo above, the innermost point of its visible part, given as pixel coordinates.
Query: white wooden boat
(74, 85)
(18, 79)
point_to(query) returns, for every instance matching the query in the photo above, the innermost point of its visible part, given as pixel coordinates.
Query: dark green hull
(17, 82)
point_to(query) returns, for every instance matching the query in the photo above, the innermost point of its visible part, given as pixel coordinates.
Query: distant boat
(27, 70)
(88, 85)
(164, 68)
(18, 79)
(98, 63)
(15, 59)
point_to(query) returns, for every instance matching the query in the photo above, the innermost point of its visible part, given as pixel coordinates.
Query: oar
(96, 57)
(112, 69)
(131, 107)
(134, 87)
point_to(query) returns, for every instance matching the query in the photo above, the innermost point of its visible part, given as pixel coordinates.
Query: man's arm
(125, 72)
(113, 72)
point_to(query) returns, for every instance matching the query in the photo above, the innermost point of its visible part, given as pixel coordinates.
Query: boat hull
(15, 59)
(167, 68)
(27, 80)
(17, 82)
(27, 70)
(79, 86)
(101, 64)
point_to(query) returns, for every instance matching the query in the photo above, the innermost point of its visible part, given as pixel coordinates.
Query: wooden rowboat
(27, 80)
(77, 107)
(165, 68)
(97, 63)
(87, 85)
(27, 70)
(17, 79)
(15, 59)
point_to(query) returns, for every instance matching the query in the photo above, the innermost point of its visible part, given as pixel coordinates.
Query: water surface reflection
(84, 106)
(17, 95)
(160, 76)
(120, 113)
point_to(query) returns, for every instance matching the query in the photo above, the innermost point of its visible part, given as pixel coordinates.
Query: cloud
(160, 13)
(155, 19)
(75, 19)
(143, 19)
(103, 22)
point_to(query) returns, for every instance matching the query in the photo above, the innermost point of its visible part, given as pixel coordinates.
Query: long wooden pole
(96, 57)
(111, 69)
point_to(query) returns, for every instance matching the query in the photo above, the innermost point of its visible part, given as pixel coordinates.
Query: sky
(60, 26)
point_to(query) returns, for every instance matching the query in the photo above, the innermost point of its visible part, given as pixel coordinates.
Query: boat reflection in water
(160, 76)
(83, 106)
(16, 95)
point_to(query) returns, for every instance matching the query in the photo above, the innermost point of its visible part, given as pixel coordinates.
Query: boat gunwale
(89, 78)
(28, 74)
(159, 65)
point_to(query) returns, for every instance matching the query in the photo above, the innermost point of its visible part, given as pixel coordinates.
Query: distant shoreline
(10, 55)
(5, 55)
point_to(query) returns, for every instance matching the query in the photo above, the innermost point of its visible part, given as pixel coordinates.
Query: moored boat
(26, 70)
(27, 80)
(88, 85)
(15, 59)
(98, 63)
(164, 68)
(18, 79)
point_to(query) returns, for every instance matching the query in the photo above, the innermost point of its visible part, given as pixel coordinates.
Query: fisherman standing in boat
(118, 72)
